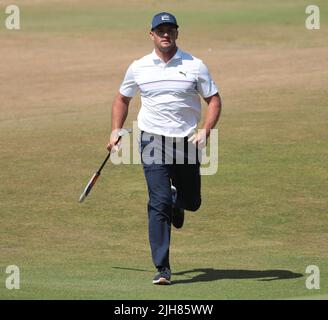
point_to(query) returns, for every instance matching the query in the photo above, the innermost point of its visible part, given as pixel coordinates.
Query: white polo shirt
(170, 102)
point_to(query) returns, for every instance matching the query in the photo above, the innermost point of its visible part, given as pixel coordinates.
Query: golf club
(96, 175)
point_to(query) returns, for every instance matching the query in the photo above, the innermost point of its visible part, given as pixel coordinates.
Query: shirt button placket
(165, 70)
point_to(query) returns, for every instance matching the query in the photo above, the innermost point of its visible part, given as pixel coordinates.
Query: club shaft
(106, 159)
(103, 164)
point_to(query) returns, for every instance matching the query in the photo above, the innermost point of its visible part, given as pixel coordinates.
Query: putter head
(82, 197)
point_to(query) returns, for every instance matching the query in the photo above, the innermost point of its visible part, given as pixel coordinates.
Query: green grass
(263, 218)
(102, 16)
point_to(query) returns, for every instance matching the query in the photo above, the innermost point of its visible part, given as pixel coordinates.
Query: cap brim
(160, 24)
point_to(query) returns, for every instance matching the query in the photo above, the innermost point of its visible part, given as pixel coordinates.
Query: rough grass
(263, 218)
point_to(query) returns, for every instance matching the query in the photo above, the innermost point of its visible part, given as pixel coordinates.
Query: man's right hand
(113, 144)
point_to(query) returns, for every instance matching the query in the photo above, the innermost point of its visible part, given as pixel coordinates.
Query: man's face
(164, 37)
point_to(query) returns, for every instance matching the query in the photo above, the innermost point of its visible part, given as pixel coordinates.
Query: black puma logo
(184, 73)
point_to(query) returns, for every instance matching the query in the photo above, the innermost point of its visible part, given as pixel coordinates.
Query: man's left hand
(199, 138)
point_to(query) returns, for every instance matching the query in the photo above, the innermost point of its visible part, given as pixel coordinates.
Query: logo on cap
(166, 18)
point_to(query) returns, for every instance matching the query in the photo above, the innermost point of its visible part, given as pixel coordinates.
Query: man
(170, 82)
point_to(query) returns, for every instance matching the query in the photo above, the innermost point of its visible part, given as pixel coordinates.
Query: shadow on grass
(210, 274)
(132, 269)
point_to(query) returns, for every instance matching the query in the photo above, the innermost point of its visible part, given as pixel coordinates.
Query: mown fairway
(264, 214)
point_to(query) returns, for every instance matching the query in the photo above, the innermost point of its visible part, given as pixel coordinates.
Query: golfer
(170, 82)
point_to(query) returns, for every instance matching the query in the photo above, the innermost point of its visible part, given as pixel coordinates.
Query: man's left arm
(212, 113)
(211, 118)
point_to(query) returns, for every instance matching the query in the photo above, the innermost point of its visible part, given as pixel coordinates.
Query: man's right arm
(119, 113)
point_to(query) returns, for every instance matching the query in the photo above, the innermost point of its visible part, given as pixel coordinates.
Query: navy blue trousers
(159, 177)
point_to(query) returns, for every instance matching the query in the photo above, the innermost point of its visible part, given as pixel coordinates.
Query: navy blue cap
(163, 17)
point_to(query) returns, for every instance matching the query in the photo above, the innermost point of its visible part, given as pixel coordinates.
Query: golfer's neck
(166, 56)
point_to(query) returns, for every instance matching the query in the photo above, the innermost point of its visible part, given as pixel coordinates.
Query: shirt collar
(156, 58)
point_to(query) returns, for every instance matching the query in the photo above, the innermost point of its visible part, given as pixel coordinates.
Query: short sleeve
(205, 85)
(129, 86)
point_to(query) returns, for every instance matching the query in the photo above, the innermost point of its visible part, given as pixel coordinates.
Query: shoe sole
(162, 281)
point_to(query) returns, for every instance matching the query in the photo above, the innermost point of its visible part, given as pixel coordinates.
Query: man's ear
(177, 34)
(151, 34)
